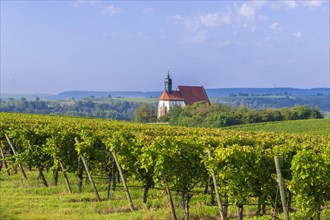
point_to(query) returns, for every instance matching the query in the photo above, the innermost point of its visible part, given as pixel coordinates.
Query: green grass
(311, 126)
(28, 199)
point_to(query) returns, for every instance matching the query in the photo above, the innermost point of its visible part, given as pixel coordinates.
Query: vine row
(176, 158)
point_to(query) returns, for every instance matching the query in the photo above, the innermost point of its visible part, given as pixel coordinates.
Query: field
(30, 200)
(166, 161)
(139, 100)
(311, 126)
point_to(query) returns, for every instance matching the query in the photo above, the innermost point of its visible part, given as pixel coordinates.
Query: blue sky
(55, 46)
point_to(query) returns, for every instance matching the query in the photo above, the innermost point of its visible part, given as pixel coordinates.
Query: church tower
(168, 83)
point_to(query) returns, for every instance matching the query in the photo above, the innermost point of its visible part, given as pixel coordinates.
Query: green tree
(173, 115)
(145, 113)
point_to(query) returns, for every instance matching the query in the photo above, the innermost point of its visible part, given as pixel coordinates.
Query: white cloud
(194, 26)
(194, 23)
(290, 4)
(276, 27)
(297, 35)
(262, 18)
(198, 37)
(313, 3)
(187, 22)
(213, 19)
(197, 26)
(247, 15)
(246, 10)
(99, 4)
(110, 10)
(194, 37)
(258, 3)
(89, 2)
(249, 9)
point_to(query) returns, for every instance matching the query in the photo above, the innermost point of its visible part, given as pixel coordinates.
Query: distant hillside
(99, 94)
(212, 93)
(311, 126)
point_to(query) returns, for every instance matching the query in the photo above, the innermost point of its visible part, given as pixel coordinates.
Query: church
(182, 96)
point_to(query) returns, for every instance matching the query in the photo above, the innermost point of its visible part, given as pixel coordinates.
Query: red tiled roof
(192, 94)
(174, 96)
(188, 94)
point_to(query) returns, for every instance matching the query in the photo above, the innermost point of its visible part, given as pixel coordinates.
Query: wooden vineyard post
(240, 211)
(216, 190)
(281, 187)
(124, 182)
(168, 192)
(39, 169)
(80, 171)
(64, 173)
(109, 187)
(113, 176)
(112, 179)
(65, 177)
(89, 175)
(4, 161)
(225, 207)
(80, 175)
(14, 152)
(55, 175)
(90, 178)
(146, 189)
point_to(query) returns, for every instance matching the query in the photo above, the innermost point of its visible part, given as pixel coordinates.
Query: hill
(255, 98)
(267, 92)
(212, 93)
(100, 94)
(311, 126)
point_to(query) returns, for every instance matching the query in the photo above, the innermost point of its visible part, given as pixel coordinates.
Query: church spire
(168, 83)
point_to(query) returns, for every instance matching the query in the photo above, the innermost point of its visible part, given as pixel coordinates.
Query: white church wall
(165, 106)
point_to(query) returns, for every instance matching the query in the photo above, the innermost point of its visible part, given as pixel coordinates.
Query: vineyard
(310, 126)
(222, 170)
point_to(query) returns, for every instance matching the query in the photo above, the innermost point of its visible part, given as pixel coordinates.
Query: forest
(87, 107)
(198, 115)
(215, 116)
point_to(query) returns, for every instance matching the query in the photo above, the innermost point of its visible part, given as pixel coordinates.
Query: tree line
(213, 115)
(261, 101)
(197, 115)
(87, 107)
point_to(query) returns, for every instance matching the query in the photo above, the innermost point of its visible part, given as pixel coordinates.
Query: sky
(48, 47)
